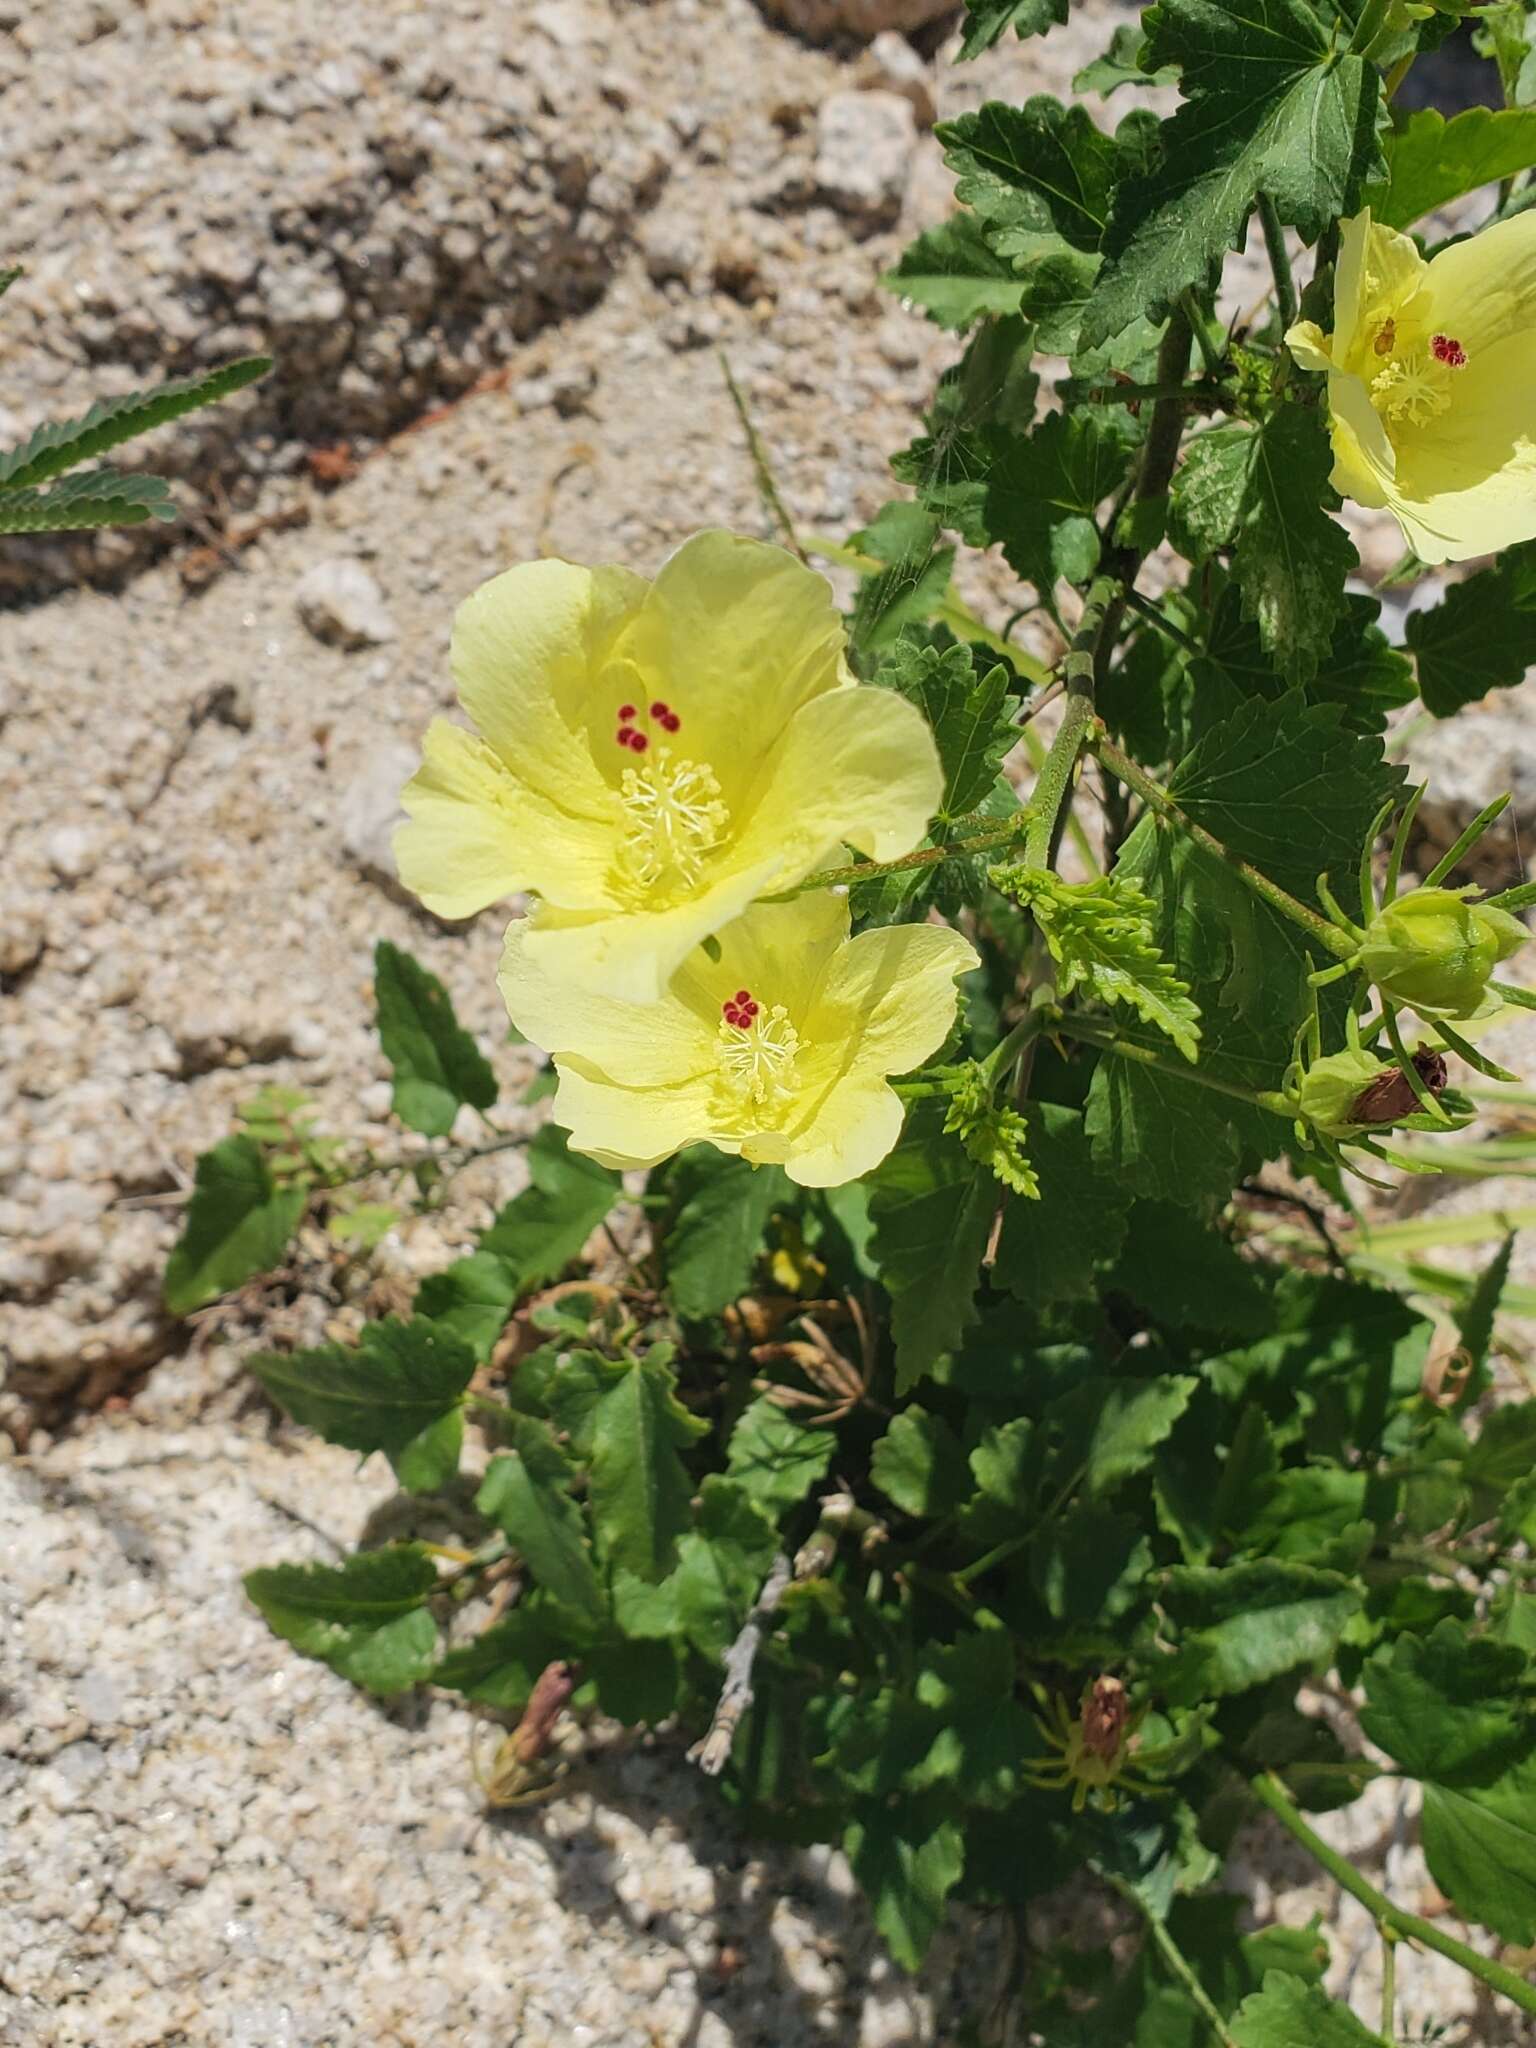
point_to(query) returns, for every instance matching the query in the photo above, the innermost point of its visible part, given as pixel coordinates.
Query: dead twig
(736, 1695)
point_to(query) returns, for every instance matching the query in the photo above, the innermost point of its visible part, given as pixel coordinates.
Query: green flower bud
(1331, 1087)
(1433, 951)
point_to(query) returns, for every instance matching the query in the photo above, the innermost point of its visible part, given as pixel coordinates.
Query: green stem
(1035, 747)
(925, 857)
(1008, 1049)
(1212, 351)
(1269, 1791)
(1156, 617)
(1279, 260)
(1176, 1960)
(1105, 1037)
(1079, 671)
(1389, 1941)
(1158, 799)
(762, 469)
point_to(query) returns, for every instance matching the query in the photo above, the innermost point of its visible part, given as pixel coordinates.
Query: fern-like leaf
(1100, 935)
(62, 444)
(96, 497)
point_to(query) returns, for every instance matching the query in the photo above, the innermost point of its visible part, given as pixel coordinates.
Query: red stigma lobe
(1446, 349)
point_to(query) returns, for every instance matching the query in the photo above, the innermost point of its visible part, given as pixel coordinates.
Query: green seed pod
(1433, 951)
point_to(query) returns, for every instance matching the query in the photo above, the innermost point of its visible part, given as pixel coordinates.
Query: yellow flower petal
(778, 1051)
(1309, 345)
(1432, 384)
(856, 766)
(530, 648)
(632, 954)
(736, 636)
(476, 834)
(886, 1004)
(1483, 290)
(656, 757)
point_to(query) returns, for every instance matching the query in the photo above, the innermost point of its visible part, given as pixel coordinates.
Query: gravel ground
(203, 1838)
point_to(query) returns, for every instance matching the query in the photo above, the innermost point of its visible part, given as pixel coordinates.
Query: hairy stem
(1269, 1791)
(1079, 671)
(1279, 260)
(1092, 1032)
(1157, 799)
(925, 857)
(762, 469)
(1178, 1963)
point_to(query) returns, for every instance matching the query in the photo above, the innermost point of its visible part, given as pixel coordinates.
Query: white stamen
(675, 818)
(759, 1062)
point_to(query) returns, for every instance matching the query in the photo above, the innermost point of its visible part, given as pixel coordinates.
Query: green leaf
(1505, 1451)
(8, 277)
(1244, 1624)
(367, 1618)
(971, 716)
(526, 1495)
(721, 1565)
(713, 1240)
(1481, 636)
(1270, 105)
(1263, 489)
(907, 1863)
(1109, 1428)
(398, 1393)
(540, 1231)
(1051, 1249)
(1480, 1845)
(1431, 161)
(919, 1464)
(1285, 786)
(98, 497)
(470, 1300)
(502, 1664)
(987, 20)
(1089, 1565)
(1189, 1277)
(1289, 2013)
(1041, 174)
(1123, 63)
(1362, 672)
(1475, 1322)
(932, 1208)
(111, 421)
(1445, 1707)
(1033, 494)
(774, 1459)
(983, 1731)
(1100, 934)
(239, 1223)
(438, 1067)
(953, 273)
(640, 1492)
(911, 587)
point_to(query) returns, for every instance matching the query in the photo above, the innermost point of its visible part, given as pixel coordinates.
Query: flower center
(1415, 384)
(758, 1051)
(673, 817)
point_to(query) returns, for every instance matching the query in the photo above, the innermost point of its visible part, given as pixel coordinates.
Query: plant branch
(1092, 1032)
(1177, 1962)
(713, 1752)
(1158, 799)
(925, 857)
(1269, 1791)
(1079, 672)
(1279, 260)
(767, 488)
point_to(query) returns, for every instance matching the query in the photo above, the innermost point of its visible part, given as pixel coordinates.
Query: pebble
(342, 604)
(890, 63)
(864, 147)
(822, 19)
(368, 808)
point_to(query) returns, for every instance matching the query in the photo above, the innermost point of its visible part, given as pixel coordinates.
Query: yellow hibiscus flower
(1432, 383)
(778, 1051)
(652, 757)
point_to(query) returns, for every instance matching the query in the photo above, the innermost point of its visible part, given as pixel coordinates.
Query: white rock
(72, 851)
(341, 603)
(368, 809)
(864, 146)
(891, 63)
(820, 19)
